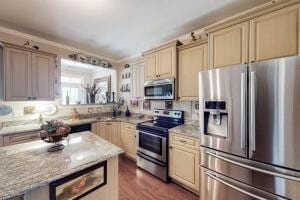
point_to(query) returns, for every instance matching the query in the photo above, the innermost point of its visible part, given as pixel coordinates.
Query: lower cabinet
(128, 139)
(184, 161)
(109, 131)
(18, 138)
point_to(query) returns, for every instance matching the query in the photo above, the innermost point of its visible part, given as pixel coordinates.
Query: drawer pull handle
(183, 141)
(293, 178)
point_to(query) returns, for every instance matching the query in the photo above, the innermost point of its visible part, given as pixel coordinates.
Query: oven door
(159, 89)
(152, 145)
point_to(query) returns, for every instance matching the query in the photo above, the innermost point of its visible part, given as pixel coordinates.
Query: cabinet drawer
(20, 138)
(128, 127)
(184, 141)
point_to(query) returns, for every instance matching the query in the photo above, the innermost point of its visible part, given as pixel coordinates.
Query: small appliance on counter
(152, 141)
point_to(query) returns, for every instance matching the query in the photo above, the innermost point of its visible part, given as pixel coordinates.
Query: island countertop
(27, 166)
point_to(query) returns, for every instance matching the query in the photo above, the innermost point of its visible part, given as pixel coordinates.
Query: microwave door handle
(243, 110)
(252, 110)
(234, 187)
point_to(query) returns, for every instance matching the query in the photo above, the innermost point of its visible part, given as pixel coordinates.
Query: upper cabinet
(18, 80)
(29, 74)
(161, 62)
(167, 62)
(229, 46)
(275, 34)
(150, 66)
(192, 59)
(42, 77)
(137, 80)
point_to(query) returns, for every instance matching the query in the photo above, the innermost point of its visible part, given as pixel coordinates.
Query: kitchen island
(30, 171)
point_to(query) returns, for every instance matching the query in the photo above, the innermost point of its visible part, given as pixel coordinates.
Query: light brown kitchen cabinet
(137, 80)
(184, 161)
(167, 63)
(192, 59)
(18, 138)
(150, 66)
(17, 75)
(275, 34)
(42, 77)
(161, 62)
(113, 129)
(229, 46)
(29, 74)
(102, 131)
(128, 139)
(109, 131)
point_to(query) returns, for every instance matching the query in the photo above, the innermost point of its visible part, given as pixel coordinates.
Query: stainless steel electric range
(152, 141)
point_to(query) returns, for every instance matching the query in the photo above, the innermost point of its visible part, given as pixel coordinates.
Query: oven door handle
(150, 160)
(158, 136)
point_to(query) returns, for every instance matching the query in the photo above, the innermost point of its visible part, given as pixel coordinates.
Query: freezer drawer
(275, 180)
(215, 186)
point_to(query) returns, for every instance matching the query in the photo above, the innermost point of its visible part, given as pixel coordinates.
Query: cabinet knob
(34, 98)
(170, 147)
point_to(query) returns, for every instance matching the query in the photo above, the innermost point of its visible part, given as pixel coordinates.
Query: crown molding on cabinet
(191, 44)
(51, 43)
(163, 46)
(5, 44)
(250, 14)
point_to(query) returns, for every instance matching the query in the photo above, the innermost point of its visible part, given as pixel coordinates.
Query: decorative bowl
(54, 131)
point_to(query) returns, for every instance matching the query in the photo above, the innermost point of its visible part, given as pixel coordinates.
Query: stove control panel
(168, 113)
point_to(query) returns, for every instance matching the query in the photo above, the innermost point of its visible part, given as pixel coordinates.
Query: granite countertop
(36, 127)
(190, 128)
(27, 166)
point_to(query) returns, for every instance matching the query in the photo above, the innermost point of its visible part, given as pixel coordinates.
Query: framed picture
(79, 184)
(147, 105)
(134, 103)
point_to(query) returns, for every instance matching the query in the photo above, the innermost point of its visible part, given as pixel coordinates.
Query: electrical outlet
(29, 110)
(18, 113)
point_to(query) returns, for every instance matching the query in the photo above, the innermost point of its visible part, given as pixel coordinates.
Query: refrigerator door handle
(293, 178)
(252, 110)
(243, 110)
(220, 180)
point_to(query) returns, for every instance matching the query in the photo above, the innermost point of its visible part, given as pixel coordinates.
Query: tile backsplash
(18, 113)
(189, 108)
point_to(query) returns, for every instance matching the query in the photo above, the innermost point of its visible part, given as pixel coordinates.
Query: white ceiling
(115, 28)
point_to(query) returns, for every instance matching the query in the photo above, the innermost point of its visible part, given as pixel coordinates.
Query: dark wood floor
(136, 184)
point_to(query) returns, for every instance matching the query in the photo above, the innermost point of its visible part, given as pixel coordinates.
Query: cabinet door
(94, 128)
(275, 35)
(184, 166)
(17, 75)
(137, 84)
(43, 77)
(167, 62)
(102, 131)
(128, 143)
(191, 62)
(151, 66)
(20, 138)
(114, 133)
(229, 46)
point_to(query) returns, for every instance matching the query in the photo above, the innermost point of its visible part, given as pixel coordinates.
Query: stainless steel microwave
(163, 89)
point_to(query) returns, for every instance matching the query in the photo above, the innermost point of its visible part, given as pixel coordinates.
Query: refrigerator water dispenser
(216, 118)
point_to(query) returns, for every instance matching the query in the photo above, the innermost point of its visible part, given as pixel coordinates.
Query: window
(72, 86)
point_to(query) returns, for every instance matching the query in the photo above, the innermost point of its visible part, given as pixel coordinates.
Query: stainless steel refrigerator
(250, 131)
